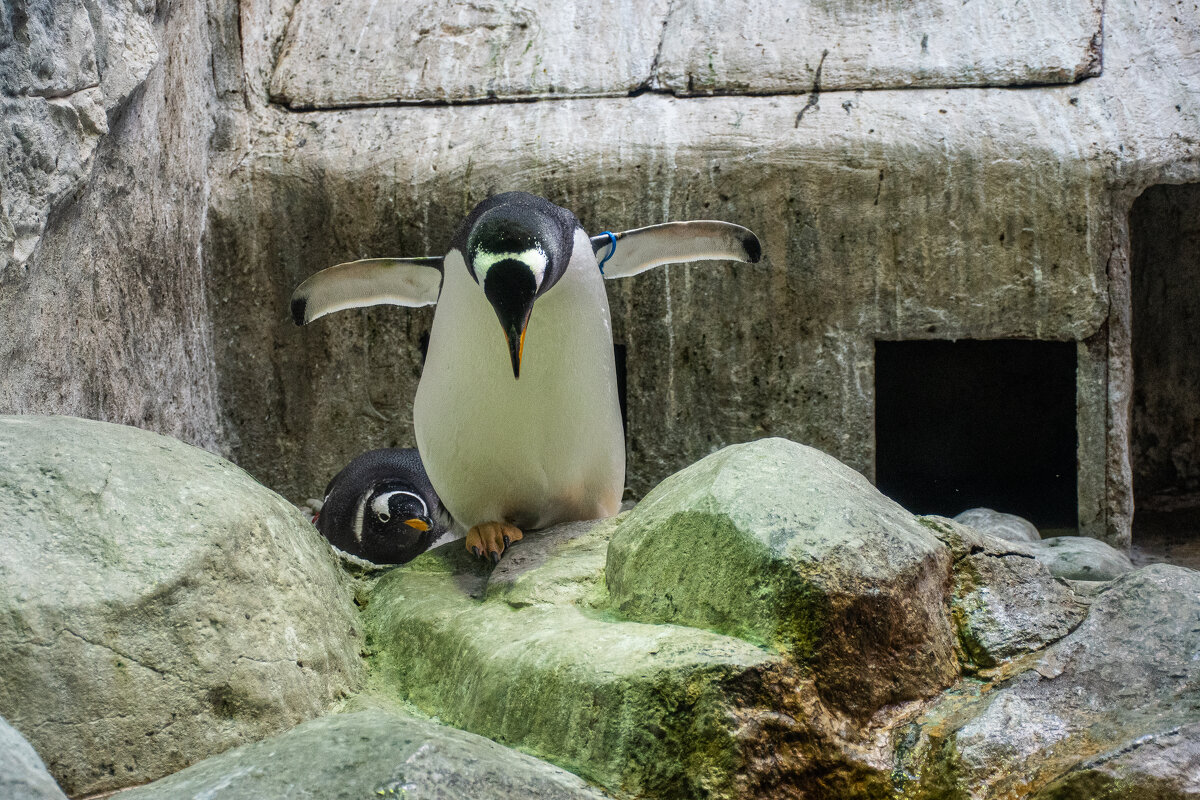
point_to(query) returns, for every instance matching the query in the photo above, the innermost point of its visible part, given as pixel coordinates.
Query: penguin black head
(516, 247)
(381, 507)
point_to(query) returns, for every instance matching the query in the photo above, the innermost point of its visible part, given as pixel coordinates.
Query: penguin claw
(490, 539)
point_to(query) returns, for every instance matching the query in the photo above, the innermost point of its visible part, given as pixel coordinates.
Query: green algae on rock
(527, 654)
(785, 546)
(157, 605)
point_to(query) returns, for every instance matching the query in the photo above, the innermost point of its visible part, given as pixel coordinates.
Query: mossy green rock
(782, 545)
(525, 654)
(369, 755)
(157, 605)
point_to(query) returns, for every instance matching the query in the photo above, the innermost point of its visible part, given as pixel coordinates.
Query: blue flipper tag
(612, 237)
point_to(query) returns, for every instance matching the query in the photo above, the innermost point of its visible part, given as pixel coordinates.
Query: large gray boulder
(1108, 711)
(782, 545)
(157, 605)
(1080, 558)
(23, 776)
(997, 523)
(370, 754)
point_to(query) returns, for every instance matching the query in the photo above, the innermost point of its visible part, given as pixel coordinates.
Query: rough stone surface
(1005, 526)
(159, 605)
(356, 52)
(63, 64)
(643, 710)
(104, 314)
(23, 776)
(713, 46)
(1161, 766)
(1111, 708)
(370, 754)
(1005, 603)
(843, 578)
(1079, 558)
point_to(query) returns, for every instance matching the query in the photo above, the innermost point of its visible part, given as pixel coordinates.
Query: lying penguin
(519, 427)
(381, 507)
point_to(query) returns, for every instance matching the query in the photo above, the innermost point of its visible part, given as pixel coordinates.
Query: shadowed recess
(978, 423)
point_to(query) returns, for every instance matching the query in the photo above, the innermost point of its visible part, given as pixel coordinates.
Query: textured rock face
(710, 46)
(843, 578)
(23, 776)
(62, 66)
(104, 152)
(159, 606)
(1005, 602)
(356, 52)
(371, 754)
(1109, 709)
(661, 711)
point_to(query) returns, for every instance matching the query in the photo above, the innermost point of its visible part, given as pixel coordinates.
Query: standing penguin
(381, 507)
(519, 427)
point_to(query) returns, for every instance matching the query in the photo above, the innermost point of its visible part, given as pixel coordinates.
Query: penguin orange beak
(418, 524)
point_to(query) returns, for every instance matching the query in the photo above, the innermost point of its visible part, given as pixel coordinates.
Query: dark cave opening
(978, 423)
(1164, 232)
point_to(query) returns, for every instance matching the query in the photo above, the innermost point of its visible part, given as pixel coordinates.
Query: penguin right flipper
(370, 282)
(630, 252)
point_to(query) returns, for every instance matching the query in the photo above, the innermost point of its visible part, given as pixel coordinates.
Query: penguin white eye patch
(381, 508)
(534, 258)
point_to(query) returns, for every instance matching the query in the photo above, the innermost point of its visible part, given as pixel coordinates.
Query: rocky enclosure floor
(763, 624)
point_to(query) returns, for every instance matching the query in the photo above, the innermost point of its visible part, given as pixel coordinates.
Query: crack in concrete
(814, 99)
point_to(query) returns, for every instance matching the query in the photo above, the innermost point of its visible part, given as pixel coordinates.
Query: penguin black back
(382, 507)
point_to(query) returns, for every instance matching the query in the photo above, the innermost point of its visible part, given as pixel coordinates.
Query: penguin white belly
(543, 449)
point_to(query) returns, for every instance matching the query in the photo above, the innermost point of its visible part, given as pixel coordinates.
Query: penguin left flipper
(488, 539)
(630, 252)
(369, 282)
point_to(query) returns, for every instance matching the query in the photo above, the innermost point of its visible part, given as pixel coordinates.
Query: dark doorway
(978, 423)
(1164, 232)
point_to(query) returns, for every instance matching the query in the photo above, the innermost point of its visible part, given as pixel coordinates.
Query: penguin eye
(383, 516)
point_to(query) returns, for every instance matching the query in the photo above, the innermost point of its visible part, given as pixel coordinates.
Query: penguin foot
(488, 539)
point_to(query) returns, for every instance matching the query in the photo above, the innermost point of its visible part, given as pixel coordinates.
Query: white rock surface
(361, 52)
(23, 776)
(721, 47)
(354, 52)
